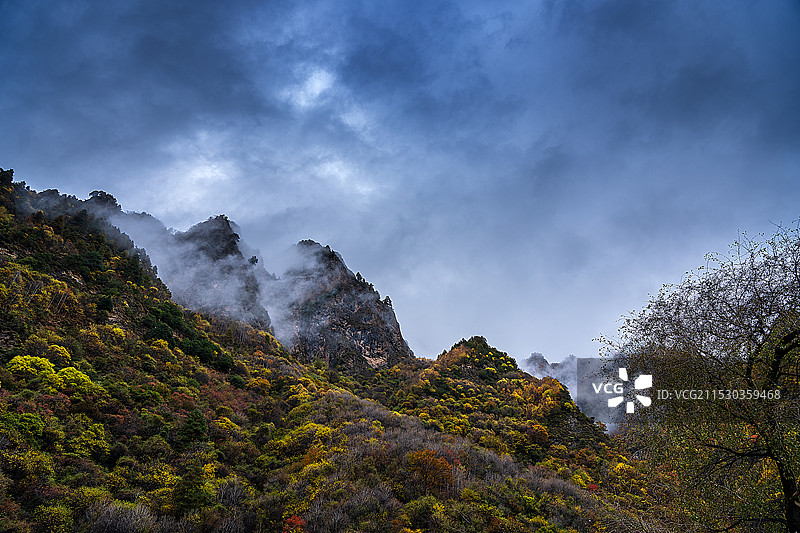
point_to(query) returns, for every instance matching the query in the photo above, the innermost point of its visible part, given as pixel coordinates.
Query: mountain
(478, 391)
(323, 309)
(121, 410)
(317, 307)
(221, 281)
(203, 267)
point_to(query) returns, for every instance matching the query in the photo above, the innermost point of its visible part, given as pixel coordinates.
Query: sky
(529, 171)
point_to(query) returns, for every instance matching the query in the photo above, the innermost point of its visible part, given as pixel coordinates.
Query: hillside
(121, 410)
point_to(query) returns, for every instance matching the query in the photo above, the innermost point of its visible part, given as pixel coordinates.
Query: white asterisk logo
(645, 381)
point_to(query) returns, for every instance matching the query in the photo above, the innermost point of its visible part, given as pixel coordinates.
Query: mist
(202, 267)
(577, 374)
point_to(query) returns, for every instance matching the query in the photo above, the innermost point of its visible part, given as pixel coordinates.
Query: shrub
(120, 518)
(29, 368)
(72, 381)
(54, 518)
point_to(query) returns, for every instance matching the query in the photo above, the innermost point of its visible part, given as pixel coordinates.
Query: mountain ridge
(324, 309)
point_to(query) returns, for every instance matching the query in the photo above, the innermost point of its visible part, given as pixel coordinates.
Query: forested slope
(122, 411)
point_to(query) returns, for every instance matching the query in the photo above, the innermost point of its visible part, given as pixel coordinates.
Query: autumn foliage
(122, 411)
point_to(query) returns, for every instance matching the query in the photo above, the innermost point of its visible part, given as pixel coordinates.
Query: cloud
(502, 169)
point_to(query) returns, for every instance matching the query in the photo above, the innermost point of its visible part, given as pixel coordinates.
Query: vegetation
(122, 411)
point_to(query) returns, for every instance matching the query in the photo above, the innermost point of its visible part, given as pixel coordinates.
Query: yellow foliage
(54, 518)
(225, 424)
(159, 344)
(58, 355)
(161, 500)
(622, 470)
(28, 368)
(209, 471)
(34, 465)
(260, 385)
(299, 395)
(162, 474)
(117, 332)
(71, 381)
(160, 350)
(93, 441)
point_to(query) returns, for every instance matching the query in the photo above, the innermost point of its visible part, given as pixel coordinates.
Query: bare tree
(723, 347)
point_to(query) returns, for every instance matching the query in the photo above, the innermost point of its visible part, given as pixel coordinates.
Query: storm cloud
(524, 171)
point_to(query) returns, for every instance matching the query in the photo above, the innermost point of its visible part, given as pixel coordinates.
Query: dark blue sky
(527, 171)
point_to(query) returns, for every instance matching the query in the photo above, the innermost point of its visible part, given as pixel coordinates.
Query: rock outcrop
(335, 315)
(217, 279)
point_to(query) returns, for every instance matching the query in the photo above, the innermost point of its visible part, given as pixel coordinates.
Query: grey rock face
(335, 315)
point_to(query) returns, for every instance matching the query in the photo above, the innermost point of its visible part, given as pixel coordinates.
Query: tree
(733, 325)
(30, 368)
(435, 472)
(194, 428)
(190, 492)
(103, 198)
(72, 381)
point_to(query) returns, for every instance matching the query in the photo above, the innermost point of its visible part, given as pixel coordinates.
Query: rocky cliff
(217, 278)
(335, 315)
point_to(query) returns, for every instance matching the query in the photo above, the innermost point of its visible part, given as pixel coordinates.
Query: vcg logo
(645, 381)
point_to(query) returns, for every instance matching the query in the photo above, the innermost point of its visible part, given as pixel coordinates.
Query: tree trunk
(791, 503)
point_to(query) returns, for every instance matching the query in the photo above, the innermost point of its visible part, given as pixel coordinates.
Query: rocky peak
(537, 365)
(210, 272)
(319, 263)
(336, 315)
(215, 237)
